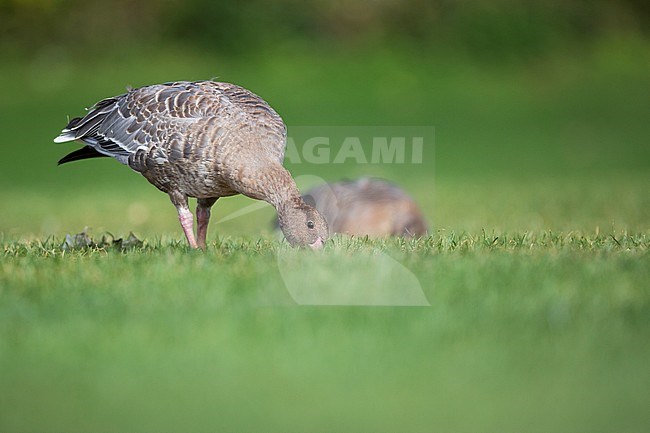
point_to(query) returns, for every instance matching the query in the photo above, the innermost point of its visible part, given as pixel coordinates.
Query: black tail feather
(73, 122)
(83, 153)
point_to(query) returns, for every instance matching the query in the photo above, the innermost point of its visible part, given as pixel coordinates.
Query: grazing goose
(200, 139)
(366, 206)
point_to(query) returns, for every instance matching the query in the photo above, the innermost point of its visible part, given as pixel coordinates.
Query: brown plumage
(367, 206)
(200, 139)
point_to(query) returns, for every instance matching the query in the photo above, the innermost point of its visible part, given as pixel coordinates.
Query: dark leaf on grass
(131, 242)
(80, 240)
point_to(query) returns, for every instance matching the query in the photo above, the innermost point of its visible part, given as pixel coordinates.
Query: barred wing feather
(149, 116)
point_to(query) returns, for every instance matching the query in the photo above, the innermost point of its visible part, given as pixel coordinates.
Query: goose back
(194, 137)
(368, 206)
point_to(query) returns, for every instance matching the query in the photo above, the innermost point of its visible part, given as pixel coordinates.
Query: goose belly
(193, 178)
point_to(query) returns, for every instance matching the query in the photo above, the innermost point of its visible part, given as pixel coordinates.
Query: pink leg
(187, 222)
(203, 218)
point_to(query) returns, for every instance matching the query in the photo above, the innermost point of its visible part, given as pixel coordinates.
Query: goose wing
(262, 122)
(142, 117)
(149, 116)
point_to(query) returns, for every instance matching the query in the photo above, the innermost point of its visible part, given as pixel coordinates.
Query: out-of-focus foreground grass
(537, 332)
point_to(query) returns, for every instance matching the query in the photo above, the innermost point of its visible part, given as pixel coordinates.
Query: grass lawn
(542, 332)
(531, 297)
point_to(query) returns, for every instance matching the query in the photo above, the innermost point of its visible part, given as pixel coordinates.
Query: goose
(367, 206)
(200, 139)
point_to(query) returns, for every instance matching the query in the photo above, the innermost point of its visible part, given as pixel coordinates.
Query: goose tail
(86, 152)
(68, 133)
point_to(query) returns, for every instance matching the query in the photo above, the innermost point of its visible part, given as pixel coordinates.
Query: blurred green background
(540, 108)
(540, 112)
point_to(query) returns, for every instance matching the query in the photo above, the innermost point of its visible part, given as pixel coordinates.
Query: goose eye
(310, 224)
